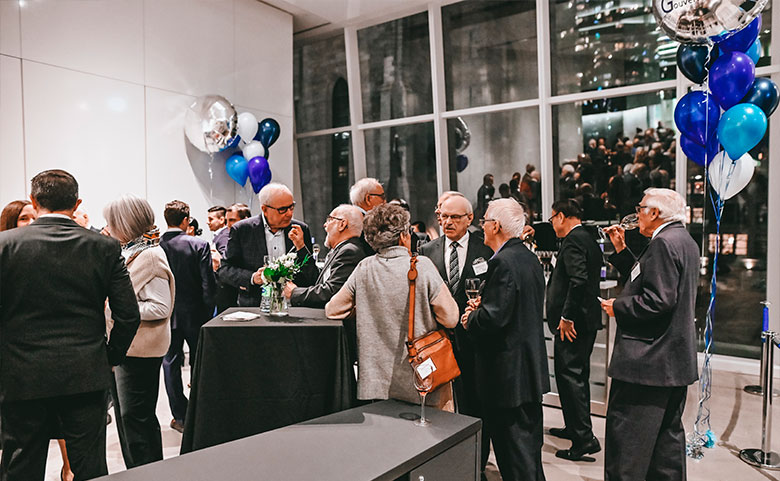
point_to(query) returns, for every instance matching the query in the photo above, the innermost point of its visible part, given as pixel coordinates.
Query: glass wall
(320, 85)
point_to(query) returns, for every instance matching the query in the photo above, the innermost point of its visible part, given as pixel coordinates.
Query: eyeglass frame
(454, 217)
(330, 218)
(483, 221)
(639, 208)
(282, 210)
(382, 196)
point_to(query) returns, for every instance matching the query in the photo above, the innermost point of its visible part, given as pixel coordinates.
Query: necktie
(454, 271)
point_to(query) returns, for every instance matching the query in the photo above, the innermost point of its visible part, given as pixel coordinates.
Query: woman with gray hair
(131, 221)
(378, 293)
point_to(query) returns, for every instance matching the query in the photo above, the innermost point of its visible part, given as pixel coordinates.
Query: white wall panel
(189, 46)
(10, 43)
(104, 38)
(263, 37)
(91, 126)
(176, 169)
(12, 178)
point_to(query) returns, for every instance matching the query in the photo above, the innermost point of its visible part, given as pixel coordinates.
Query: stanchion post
(764, 458)
(758, 389)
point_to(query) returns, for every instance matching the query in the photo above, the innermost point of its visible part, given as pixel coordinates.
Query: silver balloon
(698, 21)
(211, 123)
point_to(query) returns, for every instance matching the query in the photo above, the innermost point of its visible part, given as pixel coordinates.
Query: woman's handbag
(430, 354)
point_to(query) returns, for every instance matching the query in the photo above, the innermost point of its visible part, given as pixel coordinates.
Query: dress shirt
(462, 246)
(660, 227)
(217, 232)
(274, 242)
(61, 216)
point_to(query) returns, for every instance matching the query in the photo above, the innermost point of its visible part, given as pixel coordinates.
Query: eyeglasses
(553, 217)
(332, 218)
(640, 207)
(282, 210)
(484, 221)
(454, 217)
(381, 196)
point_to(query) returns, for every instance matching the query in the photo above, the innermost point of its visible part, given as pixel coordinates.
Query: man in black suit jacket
(343, 227)
(56, 361)
(249, 240)
(511, 362)
(227, 295)
(654, 359)
(454, 255)
(574, 318)
(218, 225)
(190, 261)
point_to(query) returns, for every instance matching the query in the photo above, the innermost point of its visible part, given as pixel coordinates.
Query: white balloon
(727, 186)
(247, 126)
(253, 149)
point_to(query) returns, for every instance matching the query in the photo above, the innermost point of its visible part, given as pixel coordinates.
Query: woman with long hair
(18, 213)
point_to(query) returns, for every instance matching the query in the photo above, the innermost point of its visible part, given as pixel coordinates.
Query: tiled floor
(736, 420)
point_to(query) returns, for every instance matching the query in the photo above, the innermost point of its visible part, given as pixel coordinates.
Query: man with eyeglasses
(343, 228)
(272, 234)
(366, 194)
(654, 358)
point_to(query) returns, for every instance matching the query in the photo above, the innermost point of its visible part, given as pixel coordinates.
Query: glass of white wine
(629, 222)
(472, 288)
(423, 386)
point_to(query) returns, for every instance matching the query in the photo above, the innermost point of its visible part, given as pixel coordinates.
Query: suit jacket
(655, 343)
(338, 267)
(55, 277)
(221, 240)
(190, 261)
(511, 360)
(573, 290)
(245, 252)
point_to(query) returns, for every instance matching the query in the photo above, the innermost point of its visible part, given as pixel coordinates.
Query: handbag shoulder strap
(412, 278)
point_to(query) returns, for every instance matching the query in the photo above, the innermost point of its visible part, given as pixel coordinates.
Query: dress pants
(28, 425)
(517, 435)
(172, 364)
(137, 383)
(572, 376)
(645, 437)
(465, 387)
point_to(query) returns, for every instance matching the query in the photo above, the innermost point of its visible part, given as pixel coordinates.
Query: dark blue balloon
(233, 143)
(743, 39)
(696, 152)
(268, 131)
(696, 115)
(695, 61)
(259, 173)
(461, 162)
(730, 78)
(764, 94)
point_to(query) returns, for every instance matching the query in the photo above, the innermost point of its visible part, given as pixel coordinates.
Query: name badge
(480, 266)
(554, 260)
(426, 368)
(635, 272)
(326, 274)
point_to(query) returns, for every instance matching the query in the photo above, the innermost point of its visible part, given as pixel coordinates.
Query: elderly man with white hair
(366, 194)
(510, 357)
(343, 228)
(273, 233)
(654, 359)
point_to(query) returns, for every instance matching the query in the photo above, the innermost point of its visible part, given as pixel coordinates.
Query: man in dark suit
(227, 295)
(454, 255)
(190, 261)
(654, 359)
(56, 361)
(574, 318)
(343, 227)
(218, 225)
(511, 362)
(272, 234)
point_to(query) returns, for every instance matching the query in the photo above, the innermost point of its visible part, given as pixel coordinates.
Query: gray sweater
(378, 291)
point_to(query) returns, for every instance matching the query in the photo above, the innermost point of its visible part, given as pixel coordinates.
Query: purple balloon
(259, 173)
(743, 39)
(696, 152)
(237, 168)
(731, 76)
(696, 115)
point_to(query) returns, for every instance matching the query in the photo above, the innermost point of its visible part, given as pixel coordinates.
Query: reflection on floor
(736, 420)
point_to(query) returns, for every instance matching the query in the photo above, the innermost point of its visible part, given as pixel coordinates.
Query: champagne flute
(316, 252)
(472, 288)
(423, 386)
(630, 222)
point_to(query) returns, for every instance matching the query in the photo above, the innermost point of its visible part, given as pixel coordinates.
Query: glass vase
(278, 302)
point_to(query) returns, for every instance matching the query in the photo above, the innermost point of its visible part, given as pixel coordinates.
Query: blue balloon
(461, 162)
(741, 128)
(743, 39)
(695, 61)
(764, 94)
(268, 131)
(233, 143)
(237, 168)
(754, 51)
(696, 115)
(730, 78)
(259, 173)
(697, 153)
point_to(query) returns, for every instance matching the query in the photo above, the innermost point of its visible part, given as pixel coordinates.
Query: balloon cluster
(212, 125)
(726, 68)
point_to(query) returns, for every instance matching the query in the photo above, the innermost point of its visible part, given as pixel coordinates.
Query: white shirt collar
(59, 216)
(660, 227)
(462, 242)
(216, 232)
(174, 229)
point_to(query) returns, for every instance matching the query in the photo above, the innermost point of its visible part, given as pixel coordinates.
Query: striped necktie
(454, 267)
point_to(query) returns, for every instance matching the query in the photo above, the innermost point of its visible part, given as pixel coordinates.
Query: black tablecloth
(255, 376)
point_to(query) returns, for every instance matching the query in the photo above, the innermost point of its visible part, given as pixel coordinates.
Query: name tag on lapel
(554, 260)
(635, 272)
(326, 274)
(479, 266)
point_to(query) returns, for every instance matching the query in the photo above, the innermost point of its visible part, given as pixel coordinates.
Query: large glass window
(598, 44)
(489, 52)
(404, 160)
(327, 172)
(320, 85)
(395, 69)
(503, 144)
(607, 152)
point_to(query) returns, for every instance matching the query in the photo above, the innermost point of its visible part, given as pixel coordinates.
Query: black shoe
(177, 426)
(560, 433)
(577, 453)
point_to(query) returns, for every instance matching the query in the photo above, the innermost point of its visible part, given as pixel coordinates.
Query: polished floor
(736, 420)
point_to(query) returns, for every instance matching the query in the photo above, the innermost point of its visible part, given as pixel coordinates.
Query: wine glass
(315, 250)
(630, 222)
(472, 288)
(423, 386)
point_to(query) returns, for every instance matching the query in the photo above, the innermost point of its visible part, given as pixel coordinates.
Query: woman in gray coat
(378, 292)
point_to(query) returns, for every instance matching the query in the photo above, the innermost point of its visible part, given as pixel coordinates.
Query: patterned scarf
(148, 240)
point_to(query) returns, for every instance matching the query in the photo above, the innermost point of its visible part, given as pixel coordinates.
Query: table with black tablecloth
(254, 376)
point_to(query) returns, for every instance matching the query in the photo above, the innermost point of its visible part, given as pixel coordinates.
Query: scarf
(145, 241)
